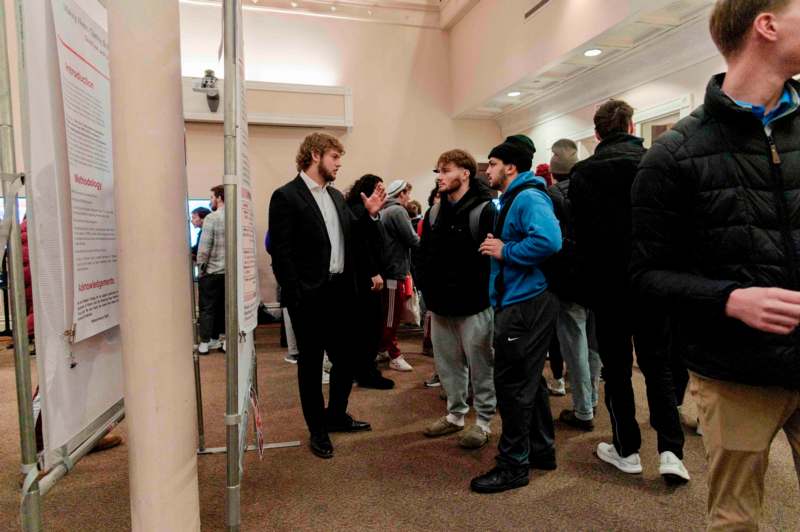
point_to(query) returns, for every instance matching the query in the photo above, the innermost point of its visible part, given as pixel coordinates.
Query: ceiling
(645, 29)
(421, 13)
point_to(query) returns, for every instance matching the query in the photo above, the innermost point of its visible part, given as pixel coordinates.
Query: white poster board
(249, 297)
(86, 92)
(80, 383)
(248, 294)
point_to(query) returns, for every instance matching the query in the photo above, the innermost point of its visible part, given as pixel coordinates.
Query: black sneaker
(376, 382)
(500, 479)
(567, 417)
(433, 382)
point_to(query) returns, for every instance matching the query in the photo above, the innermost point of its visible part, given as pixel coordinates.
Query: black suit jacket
(299, 244)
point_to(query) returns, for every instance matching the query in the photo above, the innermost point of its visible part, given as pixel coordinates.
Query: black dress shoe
(377, 382)
(321, 445)
(500, 479)
(347, 424)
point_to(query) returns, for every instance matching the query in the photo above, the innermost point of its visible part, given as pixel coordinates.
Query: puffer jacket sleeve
(661, 260)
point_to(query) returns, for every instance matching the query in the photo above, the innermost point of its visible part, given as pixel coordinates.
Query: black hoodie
(453, 275)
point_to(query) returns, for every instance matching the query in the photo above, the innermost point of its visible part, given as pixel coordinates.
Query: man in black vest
(454, 277)
(716, 229)
(313, 260)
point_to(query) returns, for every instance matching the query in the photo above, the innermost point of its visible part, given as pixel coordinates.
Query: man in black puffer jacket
(716, 229)
(599, 193)
(454, 278)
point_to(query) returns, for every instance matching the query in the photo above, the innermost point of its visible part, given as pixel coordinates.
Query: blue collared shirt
(788, 103)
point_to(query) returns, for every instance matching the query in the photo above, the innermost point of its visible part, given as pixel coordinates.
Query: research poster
(85, 77)
(248, 271)
(80, 383)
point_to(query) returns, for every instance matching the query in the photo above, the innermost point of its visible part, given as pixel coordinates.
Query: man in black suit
(313, 258)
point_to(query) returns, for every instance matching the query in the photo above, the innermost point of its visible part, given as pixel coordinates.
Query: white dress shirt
(332, 222)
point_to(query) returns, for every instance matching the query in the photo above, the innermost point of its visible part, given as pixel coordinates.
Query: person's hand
(375, 201)
(772, 310)
(377, 283)
(492, 247)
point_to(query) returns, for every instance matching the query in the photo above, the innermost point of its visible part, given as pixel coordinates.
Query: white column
(151, 189)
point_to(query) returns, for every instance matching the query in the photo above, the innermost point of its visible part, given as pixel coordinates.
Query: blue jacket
(531, 234)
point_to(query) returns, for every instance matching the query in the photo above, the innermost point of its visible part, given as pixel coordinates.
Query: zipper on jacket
(788, 244)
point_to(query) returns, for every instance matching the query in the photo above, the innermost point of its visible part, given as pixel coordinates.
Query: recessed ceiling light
(593, 52)
(333, 8)
(514, 94)
(294, 4)
(369, 12)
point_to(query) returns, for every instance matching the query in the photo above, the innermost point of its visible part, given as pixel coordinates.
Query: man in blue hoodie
(527, 234)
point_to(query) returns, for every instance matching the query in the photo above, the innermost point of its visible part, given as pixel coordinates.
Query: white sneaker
(290, 358)
(557, 387)
(214, 344)
(672, 469)
(326, 378)
(629, 464)
(203, 348)
(383, 356)
(400, 364)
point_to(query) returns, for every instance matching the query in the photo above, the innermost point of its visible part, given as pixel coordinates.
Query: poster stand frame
(35, 485)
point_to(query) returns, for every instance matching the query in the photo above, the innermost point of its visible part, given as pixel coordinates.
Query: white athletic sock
(455, 419)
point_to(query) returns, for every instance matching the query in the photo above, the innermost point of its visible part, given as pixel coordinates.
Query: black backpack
(561, 270)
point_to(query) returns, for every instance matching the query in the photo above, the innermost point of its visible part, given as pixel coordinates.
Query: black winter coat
(453, 275)
(369, 246)
(600, 198)
(716, 210)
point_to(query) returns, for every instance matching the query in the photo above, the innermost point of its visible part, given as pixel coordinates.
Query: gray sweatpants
(462, 351)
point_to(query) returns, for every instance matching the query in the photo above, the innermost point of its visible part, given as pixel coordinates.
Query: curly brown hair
(318, 143)
(460, 159)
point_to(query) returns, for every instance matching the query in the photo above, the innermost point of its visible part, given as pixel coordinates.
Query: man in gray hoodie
(400, 238)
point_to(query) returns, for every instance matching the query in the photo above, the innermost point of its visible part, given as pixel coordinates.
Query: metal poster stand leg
(231, 270)
(31, 498)
(198, 386)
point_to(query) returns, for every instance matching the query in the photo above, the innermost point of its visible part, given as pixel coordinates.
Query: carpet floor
(393, 477)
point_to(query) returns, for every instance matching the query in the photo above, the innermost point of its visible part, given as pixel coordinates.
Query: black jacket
(600, 197)
(369, 246)
(715, 211)
(299, 243)
(564, 270)
(453, 275)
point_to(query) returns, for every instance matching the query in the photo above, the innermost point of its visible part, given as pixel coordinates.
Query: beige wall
(401, 91)
(690, 81)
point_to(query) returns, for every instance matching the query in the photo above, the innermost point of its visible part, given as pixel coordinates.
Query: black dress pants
(320, 324)
(368, 316)
(522, 334)
(211, 291)
(619, 327)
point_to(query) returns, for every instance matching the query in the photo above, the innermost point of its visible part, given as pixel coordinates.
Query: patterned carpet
(390, 478)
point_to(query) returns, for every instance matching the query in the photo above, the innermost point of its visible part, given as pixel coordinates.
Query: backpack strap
(433, 213)
(475, 220)
(508, 200)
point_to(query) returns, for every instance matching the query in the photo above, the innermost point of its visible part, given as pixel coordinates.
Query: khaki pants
(739, 423)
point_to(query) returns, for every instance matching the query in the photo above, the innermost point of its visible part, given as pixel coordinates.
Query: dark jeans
(556, 360)
(368, 317)
(619, 327)
(322, 323)
(522, 335)
(212, 306)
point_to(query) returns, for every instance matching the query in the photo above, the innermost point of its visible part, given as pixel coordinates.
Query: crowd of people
(687, 251)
